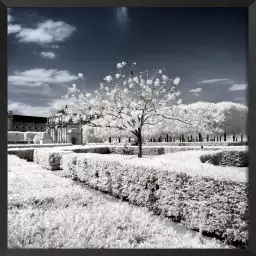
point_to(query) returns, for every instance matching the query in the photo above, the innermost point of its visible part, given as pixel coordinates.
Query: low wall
(39, 145)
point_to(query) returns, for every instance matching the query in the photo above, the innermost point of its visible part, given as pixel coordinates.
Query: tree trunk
(139, 143)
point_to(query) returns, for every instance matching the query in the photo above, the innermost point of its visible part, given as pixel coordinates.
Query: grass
(48, 211)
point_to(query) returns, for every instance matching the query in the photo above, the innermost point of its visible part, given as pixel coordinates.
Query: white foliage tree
(127, 101)
(212, 119)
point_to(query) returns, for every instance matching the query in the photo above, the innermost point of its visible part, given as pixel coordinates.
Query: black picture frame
(251, 92)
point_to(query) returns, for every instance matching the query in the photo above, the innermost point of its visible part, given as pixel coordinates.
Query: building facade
(23, 123)
(62, 131)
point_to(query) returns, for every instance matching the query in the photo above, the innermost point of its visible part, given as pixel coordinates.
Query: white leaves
(149, 82)
(176, 81)
(136, 79)
(130, 80)
(108, 78)
(118, 76)
(179, 101)
(171, 96)
(118, 104)
(157, 82)
(164, 77)
(80, 75)
(119, 65)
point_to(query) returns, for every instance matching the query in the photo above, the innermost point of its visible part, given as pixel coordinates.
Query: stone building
(26, 123)
(62, 131)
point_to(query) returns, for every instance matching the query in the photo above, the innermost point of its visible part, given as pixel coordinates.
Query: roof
(29, 119)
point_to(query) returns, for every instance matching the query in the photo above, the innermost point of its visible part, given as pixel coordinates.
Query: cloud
(196, 90)
(9, 17)
(214, 81)
(55, 46)
(238, 87)
(12, 29)
(48, 55)
(122, 15)
(36, 92)
(26, 109)
(47, 32)
(239, 99)
(40, 76)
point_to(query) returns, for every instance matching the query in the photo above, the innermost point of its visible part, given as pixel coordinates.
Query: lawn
(49, 211)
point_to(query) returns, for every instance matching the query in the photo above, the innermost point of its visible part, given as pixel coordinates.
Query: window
(17, 127)
(29, 127)
(41, 128)
(35, 127)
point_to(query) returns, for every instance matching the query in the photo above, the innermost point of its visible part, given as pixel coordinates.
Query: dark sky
(48, 47)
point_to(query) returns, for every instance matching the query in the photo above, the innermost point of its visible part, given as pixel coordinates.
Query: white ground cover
(48, 211)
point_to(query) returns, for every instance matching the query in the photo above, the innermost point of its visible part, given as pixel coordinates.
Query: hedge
(24, 153)
(49, 158)
(205, 143)
(214, 206)
(159, 150)
(237, 158)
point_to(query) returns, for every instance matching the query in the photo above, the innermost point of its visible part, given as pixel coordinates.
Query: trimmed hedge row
(214, 206)
(51, 165)
(157, 150)
(24, 153)
(237, 158)
(205, 143)
(51, 158)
